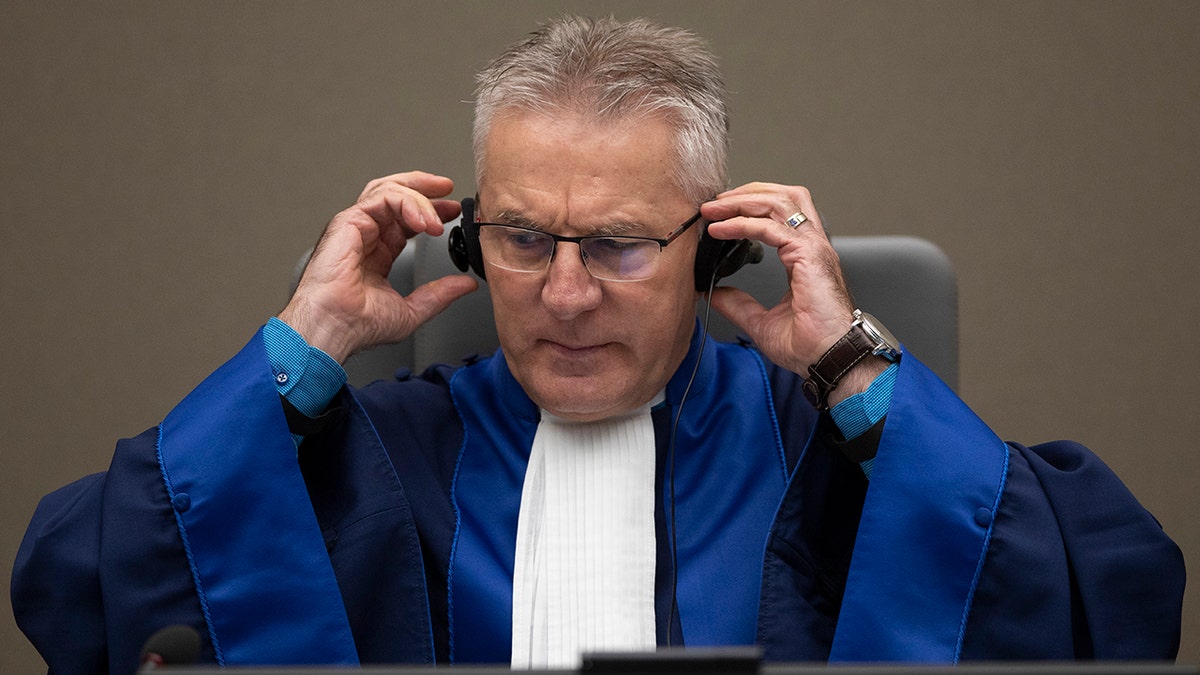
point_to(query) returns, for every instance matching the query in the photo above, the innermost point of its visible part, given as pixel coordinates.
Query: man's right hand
(344, 302)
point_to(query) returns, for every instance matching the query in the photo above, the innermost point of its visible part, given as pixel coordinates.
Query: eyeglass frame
(578, 241)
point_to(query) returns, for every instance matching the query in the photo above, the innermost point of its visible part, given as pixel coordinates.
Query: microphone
(171, 646)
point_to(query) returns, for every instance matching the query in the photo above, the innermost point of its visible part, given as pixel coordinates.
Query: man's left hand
(816, 309)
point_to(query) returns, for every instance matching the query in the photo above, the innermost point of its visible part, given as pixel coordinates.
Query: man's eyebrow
(622, 227)
(508, 217)
(514, 218)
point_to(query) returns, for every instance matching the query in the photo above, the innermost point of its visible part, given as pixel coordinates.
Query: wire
(674, 608)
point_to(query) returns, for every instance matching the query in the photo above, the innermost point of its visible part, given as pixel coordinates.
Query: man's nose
(570, 289)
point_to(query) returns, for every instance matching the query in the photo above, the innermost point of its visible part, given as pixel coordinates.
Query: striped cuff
(860, 412)
(306, 376)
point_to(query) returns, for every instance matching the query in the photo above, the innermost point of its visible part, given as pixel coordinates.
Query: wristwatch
(866, 337)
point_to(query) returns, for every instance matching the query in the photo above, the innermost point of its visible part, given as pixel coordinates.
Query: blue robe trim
(917, 560)
(257, 555)
(486, 494)
(722, 525)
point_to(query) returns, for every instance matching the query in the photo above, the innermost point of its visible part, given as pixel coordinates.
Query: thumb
(430, 298)
(740, 308)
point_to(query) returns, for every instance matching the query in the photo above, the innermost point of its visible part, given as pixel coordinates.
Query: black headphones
(715, 258)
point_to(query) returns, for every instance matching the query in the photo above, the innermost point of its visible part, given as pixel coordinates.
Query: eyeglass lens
(610, 258)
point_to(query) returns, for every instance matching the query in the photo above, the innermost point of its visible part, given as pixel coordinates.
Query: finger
(741, 308)
(767, 230)
(399, 208)
(797, 194)
(429, 299)
(428, 184)
(778, 205)
(409, 196)
(765, 200)
(447, 209)
(354, 238)
(754, 187)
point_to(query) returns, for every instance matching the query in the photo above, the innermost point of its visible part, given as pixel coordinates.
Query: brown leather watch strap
(824, 375)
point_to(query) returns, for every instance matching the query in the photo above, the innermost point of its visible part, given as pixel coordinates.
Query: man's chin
(582, 411)
(574, 399)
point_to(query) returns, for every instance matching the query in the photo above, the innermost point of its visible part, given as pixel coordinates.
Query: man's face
(583, 348)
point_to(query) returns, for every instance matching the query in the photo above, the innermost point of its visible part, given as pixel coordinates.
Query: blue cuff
(860, 412)
(306, 376)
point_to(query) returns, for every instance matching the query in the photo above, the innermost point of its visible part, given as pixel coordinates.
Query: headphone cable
(674, 606)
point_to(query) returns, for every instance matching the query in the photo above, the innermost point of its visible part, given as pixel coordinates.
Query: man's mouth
(575, 349)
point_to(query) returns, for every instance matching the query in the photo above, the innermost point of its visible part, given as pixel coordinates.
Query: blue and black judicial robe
(389, 535)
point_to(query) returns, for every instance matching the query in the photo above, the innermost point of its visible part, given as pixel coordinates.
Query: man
(610, 479)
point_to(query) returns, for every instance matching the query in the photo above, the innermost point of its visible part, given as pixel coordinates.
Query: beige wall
(163, 164)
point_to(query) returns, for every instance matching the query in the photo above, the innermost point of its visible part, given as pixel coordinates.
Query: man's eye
(615, 245)
(525, 239)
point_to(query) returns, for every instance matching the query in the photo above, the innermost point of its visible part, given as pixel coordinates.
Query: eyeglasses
(610, 258)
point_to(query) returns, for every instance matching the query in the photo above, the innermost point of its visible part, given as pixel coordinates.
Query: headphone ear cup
(465, 251)
(458, 249)
(742, 252)
(719, 258)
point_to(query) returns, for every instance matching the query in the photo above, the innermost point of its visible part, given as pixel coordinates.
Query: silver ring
(796, 220)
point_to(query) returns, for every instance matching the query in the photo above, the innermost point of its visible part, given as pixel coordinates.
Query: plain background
(163, 165)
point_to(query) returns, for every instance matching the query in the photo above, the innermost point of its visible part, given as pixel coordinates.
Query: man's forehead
(569, 173)
(639, 154)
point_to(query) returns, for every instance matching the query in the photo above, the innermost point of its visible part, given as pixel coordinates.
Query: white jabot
(585, 559)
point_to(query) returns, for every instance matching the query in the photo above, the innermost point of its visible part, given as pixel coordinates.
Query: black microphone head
(171, 646)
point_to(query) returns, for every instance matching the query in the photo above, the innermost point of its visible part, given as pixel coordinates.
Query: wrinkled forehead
(582, 132)
(574, 175)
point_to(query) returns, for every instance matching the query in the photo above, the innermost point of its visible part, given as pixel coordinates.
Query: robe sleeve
(972, 548)
(206, 521)
(55, 583)
(1076, 569)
